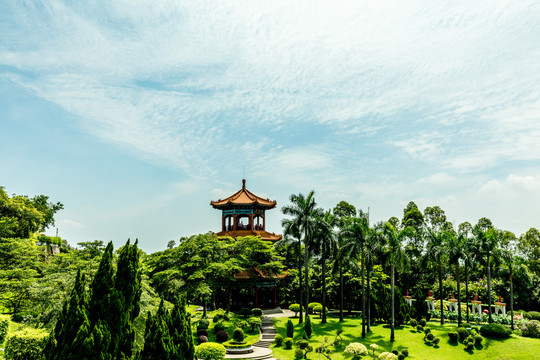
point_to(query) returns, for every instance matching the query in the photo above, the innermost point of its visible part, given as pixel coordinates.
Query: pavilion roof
(265, 235)
(243, 197)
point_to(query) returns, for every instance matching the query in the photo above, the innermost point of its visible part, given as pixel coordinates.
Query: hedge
(495, 331)
(25, 344)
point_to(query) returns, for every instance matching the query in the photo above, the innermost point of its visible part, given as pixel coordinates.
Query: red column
(223, 223)
(251, 222)
(234, 220)
(264, 223)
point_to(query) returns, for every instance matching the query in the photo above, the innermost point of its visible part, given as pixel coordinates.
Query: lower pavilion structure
(244, 214)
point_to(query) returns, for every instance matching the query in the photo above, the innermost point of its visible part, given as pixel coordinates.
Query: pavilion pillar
(251, 222)
(264, 223)
(223, 223)
(234, 222)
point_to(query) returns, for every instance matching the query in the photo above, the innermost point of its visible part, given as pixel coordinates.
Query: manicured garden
(407, 337)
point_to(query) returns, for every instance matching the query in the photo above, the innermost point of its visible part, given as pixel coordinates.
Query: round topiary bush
(210, 351)
(288, 343)
(356, 349)
(422, 322)
(216, 318)
(202, 332)
(238, 335)
(436, 340)
(278, 339)
(462, 333)
(530, 328)
(25, 344)
(318, 309)
(298, 354)
(430, 336)
(222, 336)
(453, 335)
(533, 315)
(254, 322)
(256, 312)
(496, 331)
(405, 352)
(419, 328)
(203, 324)
(427, 330)
(295, 308)
(387, 356)
(413, 322)
(395, 352)
(218, 327)
(478, 339)
(401, 357)
(201, 339)
(312, 306)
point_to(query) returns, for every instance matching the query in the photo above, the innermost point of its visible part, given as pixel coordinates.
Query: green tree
(488, 242)
(455, 248)
(397, 258)
(158, 344)
(291, 233)
(180, 332)
(435, 250)
(529, 245)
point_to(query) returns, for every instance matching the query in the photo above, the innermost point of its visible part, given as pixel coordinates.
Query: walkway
(261, 349)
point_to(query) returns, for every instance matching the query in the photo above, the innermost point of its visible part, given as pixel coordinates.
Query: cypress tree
(307, 326)
(180, 330)
(158, 344)
(290, 329)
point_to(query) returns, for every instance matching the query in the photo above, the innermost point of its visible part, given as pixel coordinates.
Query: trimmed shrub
(254, 322)
(401, 357)
(203, 324)
(4, 326)
(462, 333)
(202, 332)
(312, 305)
(295, 308)
(387, 356)
(256, 312)
(238, 335)
(25, 344)
(436, 340)
(226, 316)
(413, 322)
(422, 322)
(530, 328)
(395, 352)
(533, 315)
(318, 309)
(216, 318)
(235, 345)
(453, 335)
(496, 331)
(210, 351)
(278, 339)
(290, 329)
(298, 354)
(430, 337)
(288, 342)
(222, 336)
(201, 339)
(405, 352)
(356, 349)
(478, 339)
(218, 327)
(427, 330)
(245, 312)
(307, 326)
(419, 328)
(242, 324)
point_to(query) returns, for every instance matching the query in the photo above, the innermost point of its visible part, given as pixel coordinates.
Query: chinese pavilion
(243, 214)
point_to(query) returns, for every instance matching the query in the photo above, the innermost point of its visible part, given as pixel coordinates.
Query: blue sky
(136, 114)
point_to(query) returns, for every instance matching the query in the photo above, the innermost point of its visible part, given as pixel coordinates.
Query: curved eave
(243, 197)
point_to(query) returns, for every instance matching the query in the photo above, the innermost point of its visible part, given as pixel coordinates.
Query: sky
(136, 114)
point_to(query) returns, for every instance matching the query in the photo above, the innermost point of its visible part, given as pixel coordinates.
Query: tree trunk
(204, 309)
(306, 253)
(458, 294)
(467, 290)
(229, 298)
(324, 287)
(490, 319)
(393, 304)
(440, 293)
(368, 301)
(511, 301)
(363, 297)
(340, 291)
(300, 280)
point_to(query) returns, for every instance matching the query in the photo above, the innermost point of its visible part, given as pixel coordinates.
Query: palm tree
(304, 213)
(435, 250)
(397, 257)
(324, 244)
(374, 244)
(455, 244)
(488, 242)
(356, 233)
(291, 232)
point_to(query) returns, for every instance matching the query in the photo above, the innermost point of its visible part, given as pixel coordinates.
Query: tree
(464, 229)
(455, 244)
(304, 212)
(356, 233)
(434, 217)
(158, 344)
(180, 331)
(488, 242)
(374, 244)
(344, 209)
(435, 250)
(291, 231)
(397, 258)
(529, 245)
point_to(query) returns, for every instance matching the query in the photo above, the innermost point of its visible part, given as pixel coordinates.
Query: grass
(250, 336)
(516, 347)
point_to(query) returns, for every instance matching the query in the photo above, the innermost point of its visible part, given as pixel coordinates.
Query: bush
(203, 324)
(298, 354)
(278, 339)
(295, 308)
(422, 322)
(462, 333)
(218, 327)
(235, 345)
(256, 312)
(210, 351)
(436, 340)
(519, 312)
(530, 328)
(242, 324)
(312, 306)
(216, 318)
(413, 322)
(202, 332)
(307, 326)
(25, 344)
(288, 342)
(202, 339)
(222, 336)
(419, 328)
(478, 339)
(254, 322)
(405, 352)
(453, 335)
(401, 357)
(533, 315)
(318, 309)
(245, 312)
(238, 335)
(4, 326)
(356, 349)
(387, 356)
(427, 330)
(495, 331)
(395, 352)
(430, 336)
(290, 329)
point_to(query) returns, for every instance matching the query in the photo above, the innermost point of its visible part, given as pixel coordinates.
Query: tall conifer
(158, 344)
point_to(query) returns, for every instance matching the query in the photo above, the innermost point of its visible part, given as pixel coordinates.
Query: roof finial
(243, 183)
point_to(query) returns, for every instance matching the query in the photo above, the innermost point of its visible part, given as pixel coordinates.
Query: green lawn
(515, 347)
